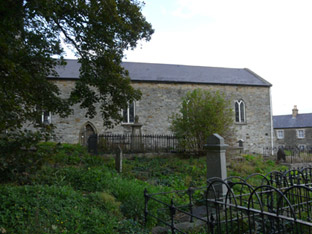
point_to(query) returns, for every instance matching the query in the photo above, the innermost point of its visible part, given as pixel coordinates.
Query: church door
(88, 131)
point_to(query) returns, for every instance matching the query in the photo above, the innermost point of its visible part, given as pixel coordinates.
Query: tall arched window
(129, 113)
(240, 111)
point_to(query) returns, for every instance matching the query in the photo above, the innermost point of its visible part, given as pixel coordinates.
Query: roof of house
(151, 72)
(287, 121)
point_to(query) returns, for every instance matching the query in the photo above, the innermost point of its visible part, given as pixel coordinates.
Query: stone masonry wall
(291, 140)
(160, 100)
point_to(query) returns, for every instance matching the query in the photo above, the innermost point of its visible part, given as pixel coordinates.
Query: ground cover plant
(74, 192)
(179, 173)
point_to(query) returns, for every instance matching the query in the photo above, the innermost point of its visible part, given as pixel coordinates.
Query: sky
(273, 38)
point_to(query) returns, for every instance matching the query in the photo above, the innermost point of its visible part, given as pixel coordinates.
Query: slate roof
(151, 72)
(287, 121)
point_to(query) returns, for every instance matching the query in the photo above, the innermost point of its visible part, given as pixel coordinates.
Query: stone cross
(136, 135)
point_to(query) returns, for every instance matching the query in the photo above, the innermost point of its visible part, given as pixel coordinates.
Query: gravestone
(281, 155)
(118, 160)
(216, 160)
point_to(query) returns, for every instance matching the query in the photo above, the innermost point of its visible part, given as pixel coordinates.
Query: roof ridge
(149, 72)
(184, 65)
(291, 114)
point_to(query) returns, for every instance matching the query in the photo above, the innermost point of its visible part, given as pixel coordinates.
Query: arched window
(240, 111)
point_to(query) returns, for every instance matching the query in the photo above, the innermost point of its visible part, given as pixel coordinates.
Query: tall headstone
(216, 160)
(118, 160)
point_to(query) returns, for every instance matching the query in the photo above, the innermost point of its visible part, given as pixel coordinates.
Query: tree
(31, 34)
(202, 114)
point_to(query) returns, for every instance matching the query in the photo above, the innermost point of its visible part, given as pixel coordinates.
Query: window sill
(127, 124)
(240, 123)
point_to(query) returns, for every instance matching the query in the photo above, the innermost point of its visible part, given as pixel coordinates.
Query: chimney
(294, 112)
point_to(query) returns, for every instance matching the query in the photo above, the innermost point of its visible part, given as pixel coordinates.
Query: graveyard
(73, 191)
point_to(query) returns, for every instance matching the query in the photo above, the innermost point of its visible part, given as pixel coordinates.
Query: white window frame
(280, 134)
(241, 118)
(299, 135)
(46, 117)
(129, 119)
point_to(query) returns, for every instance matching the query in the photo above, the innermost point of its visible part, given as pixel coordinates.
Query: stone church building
(162, 87)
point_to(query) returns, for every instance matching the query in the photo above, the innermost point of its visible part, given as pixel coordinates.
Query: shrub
(19, 156)
(69, 154)
(62, 154)
(202, 114)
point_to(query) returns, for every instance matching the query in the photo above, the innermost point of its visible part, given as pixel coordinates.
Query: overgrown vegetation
(202, 114)
(71, 191)
(180, 173)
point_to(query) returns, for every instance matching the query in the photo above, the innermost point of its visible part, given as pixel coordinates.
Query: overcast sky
(273, 38)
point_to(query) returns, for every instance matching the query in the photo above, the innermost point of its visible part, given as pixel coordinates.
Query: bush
(69, 154)
(202, 114)
(19, 157)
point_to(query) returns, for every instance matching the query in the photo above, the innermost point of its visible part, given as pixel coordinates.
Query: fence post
(190, 192)
(216, 160)
(146, 198)
(172, 213)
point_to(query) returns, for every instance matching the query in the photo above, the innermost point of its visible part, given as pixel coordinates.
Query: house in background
(293, 130)
(162, 87)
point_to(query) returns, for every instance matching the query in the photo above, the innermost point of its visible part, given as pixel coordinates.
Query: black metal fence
(290, 150)
(129, 143)
(293, 153)
(279, 202)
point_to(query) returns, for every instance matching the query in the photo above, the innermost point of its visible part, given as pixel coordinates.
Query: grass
(74, 192)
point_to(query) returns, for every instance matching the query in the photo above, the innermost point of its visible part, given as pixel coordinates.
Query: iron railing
(279, 202)
(294, 154)
(291, 150)
(129, 143)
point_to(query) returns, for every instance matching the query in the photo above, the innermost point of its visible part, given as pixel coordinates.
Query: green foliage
(202, 114)
(253, 164)
(53, 209)
(107, 201)
(74, 192)
(173, 172)
(96, 193)
(19, 156)
(63, 154)
(129, 226)
(97, 31)
(99, 179)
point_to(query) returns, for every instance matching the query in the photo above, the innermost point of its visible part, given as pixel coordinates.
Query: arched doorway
(86, 131)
